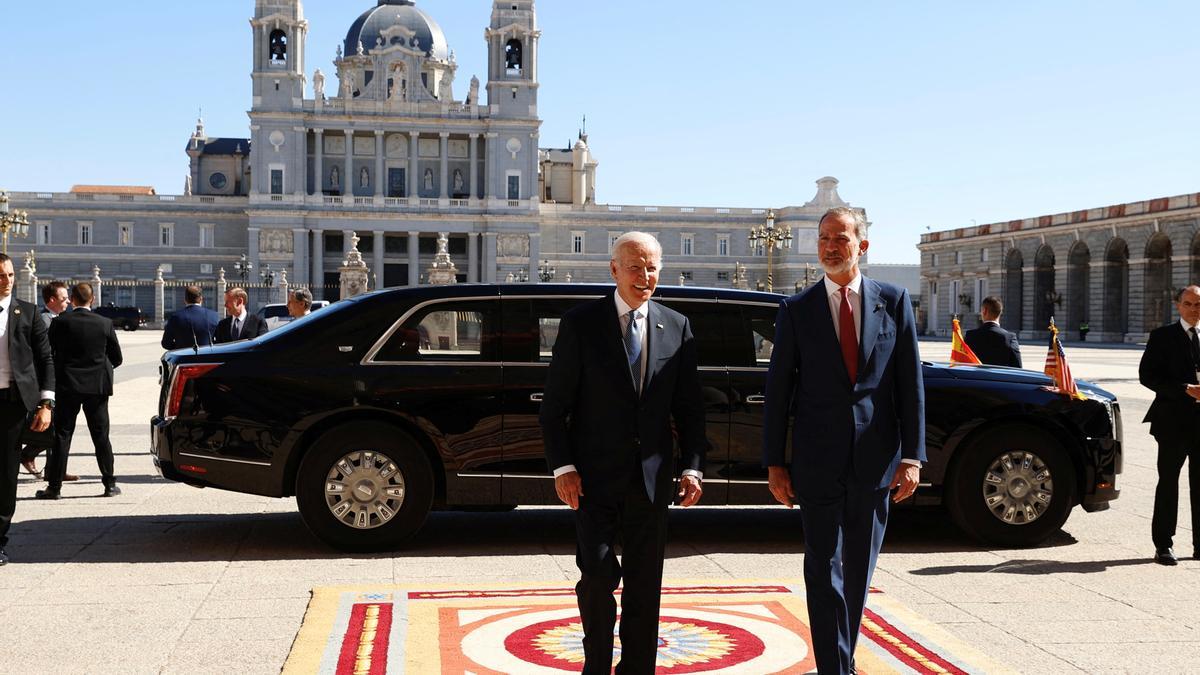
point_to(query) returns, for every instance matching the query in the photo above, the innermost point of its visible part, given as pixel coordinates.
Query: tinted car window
(751, 346)
(531, 327)
(710, 321)
(446, 331)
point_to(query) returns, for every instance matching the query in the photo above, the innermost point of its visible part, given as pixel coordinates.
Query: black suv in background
(379, 408)
(128, 318)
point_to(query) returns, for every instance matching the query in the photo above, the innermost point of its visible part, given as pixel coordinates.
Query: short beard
(843, 268)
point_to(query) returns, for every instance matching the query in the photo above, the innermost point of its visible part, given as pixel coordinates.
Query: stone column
(535, 253)
(414, 258)
(444, 169)
(377, 277)
(414, 142)
(317, 278)
(348, 177)
(222, 286)
(299, 255)
(252, 247)
(97, 291)
(488, 270)
(474, 172)
(301, 172)
(379, 178)
(318, 162)
(472, 251)
(160, 300)
(489, 167)
(27, 282)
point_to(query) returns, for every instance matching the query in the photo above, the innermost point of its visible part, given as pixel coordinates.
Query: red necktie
(848, 335)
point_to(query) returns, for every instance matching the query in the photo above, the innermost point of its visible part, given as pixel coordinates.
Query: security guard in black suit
(991, 343)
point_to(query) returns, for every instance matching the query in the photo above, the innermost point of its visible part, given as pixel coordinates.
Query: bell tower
(279, 31)
(512, 58)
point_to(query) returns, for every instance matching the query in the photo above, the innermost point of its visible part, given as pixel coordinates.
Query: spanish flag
(1057, 368)
(960, 352)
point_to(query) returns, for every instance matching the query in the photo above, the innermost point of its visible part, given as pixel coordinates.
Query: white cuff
(565, 468)
(46, 395)
(699, 475)
(914, 462)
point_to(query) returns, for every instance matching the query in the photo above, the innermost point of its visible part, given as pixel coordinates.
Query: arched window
(1116, 286)
(1014, 286)
(279, 42)
(513, 56)
(1157, 284)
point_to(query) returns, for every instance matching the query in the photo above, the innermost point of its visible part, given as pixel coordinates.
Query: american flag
(1057, 368)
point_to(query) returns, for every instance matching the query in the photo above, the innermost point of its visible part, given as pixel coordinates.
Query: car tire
(364, 487)
(1013, 486)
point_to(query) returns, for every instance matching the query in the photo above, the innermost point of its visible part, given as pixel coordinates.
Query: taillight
(180, 380)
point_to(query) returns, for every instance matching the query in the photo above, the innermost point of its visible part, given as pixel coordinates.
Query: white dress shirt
(623, 310)
(834, 292)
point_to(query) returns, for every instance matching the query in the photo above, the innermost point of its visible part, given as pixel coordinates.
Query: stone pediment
(511, 29)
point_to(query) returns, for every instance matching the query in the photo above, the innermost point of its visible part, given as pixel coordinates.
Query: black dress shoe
(1165, 556)
(3, 557)
(111, 491)
(48, 493)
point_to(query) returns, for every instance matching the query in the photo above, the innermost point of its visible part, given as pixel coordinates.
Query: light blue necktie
(633, 349)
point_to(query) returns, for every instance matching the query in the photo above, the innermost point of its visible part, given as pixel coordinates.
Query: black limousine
(380, 408)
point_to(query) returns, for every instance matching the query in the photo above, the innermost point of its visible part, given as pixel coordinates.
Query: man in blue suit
(845, 363)
(193, 325)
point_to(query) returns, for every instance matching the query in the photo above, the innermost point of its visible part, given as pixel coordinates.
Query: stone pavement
(168, 578)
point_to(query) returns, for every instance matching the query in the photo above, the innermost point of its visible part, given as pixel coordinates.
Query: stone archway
(1078, 286)
(1116, 288)
(1045, 298)
(1157, 298)
(1014, 289)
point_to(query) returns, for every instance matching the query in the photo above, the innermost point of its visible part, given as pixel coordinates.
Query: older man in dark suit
(240, 323)
(85, 352)
(27, 376)
(991, 343)
(192, 326)
(845, 364)
(623, 368)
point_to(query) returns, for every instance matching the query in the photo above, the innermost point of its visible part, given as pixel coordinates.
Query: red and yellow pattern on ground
(750, 627)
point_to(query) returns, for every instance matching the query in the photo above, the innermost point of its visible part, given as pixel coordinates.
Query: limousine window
(531, 327)
(714, 326)
(448, 331)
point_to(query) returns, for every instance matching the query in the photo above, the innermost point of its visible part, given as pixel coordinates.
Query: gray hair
(634, 237)
(860, 221)
(303, 296)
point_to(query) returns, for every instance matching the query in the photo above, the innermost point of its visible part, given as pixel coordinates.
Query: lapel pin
(878, 306)
(660, 326)
(17, 311)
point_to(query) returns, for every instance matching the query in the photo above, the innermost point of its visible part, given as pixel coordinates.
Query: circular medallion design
(684, 645)
(217, 180)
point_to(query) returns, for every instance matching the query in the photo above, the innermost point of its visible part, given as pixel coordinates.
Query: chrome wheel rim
(1017, 487)
(364, 489)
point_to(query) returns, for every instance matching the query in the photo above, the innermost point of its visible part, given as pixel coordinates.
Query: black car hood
(958, 371)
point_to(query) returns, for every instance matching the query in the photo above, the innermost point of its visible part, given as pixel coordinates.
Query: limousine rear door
(750, 355)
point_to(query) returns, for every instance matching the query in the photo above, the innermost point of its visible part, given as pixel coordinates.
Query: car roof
(556, 289)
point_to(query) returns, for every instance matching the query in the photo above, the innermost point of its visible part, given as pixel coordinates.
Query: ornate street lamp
(16, 223)
(267, 275)
(243, 267)
(768, 237)
(546, 271)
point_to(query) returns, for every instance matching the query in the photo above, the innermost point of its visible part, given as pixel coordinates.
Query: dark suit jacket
(192, 325)
(85, 352)
(1167, 368)
(252, 328)
(29, 352)
(994, 345)
(592, 416)
(865, 427)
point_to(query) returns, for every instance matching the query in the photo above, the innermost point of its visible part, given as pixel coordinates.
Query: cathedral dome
(369, 27)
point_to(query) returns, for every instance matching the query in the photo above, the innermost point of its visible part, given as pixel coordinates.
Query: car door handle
(756, 399)
(536, 398)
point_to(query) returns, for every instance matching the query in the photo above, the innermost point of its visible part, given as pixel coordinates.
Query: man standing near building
(299, 303)
(27, 366)
(192, 326)
(240, 324)
(1169, 367)
(54, 295)
(991, 343)
(623, 368)
(86, 351)
(845, 363)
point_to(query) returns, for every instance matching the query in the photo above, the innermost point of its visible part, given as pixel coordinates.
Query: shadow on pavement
(524, 531)
(1035, 567)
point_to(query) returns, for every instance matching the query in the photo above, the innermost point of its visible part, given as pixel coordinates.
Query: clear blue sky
(931, 114)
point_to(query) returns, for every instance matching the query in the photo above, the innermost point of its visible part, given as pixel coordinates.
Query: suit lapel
(12, 325)
(654, 341)
(872, 316)
(820, 308)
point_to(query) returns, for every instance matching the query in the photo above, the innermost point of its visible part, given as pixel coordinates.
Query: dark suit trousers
(95, 410)
(843, 531)
(12, 418)
(642, 529)
(1171, 454)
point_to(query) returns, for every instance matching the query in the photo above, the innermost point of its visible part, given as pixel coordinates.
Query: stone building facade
(1113, 268)
(382, 146)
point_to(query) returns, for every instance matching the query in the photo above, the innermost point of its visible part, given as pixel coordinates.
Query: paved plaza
(169, 578)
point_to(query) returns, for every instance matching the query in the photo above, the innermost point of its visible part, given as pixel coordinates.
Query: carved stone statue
(364, 178)
(473, 93)
(360, 48)
(319, 84)
(446, 89)
(335, 178)
(187, 186)
(347, 85)
(458, 180)
(427, 182)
